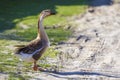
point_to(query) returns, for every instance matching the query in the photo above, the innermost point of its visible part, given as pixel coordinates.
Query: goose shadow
(96, 3)
(79, 73)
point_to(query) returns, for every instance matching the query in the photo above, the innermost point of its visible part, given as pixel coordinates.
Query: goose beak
(53, 13)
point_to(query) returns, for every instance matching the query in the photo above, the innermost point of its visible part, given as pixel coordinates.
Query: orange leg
(35, 67)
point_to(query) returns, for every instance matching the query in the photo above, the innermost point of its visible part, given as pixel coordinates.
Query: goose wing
(31, 48)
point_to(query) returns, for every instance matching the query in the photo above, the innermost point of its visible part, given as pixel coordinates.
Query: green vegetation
(18, 25)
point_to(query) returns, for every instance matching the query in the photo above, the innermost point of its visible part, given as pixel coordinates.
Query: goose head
(47, 12)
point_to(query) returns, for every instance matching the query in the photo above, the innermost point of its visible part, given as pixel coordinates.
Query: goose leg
(35, 67)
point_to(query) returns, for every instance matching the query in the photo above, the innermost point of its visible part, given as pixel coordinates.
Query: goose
(34, 49)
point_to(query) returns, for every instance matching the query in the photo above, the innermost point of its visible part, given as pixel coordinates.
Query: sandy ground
(93, 51)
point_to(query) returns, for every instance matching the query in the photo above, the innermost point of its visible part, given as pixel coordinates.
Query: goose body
(25, 57)
(34, 50)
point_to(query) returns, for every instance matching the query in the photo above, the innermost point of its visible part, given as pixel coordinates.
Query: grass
(18, 25)
(27, 12)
